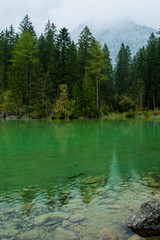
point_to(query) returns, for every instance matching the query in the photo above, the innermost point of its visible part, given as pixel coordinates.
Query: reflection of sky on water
(114, 174)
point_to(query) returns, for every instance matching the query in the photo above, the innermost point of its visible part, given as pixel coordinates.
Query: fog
(71, 13)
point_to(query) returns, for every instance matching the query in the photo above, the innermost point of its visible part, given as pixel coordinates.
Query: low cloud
(70, 13)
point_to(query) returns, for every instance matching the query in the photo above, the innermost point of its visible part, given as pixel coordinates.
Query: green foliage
(107, 84)
(107, 109)
(61, 106)
(73, 108)
(8, 104)
(125, 103)
(130, 114)
(85, 42)
(26, 26)
(122, 70)
(63, 44)
(7, 41)
(25, 49)
(138, 77)
(24, 61)
(50, 75)
(88, 99)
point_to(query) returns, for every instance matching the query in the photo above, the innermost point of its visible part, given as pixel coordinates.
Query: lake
(75, 177)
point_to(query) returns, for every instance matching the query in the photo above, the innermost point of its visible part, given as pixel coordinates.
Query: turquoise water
(104, 168)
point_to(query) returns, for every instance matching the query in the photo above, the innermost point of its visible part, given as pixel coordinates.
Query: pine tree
(50, 35)
(158, 72)
(84, 44)
(7, 41)
(122, 70)
(95, 68)
(138, 75)
(23, 62)
(63, 44)
(88, 99)
(107, 85)
(72, 69)
(26, 25)
(151, 71)
(49, 61)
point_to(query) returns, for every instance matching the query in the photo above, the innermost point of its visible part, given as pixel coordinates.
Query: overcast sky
(70, 13)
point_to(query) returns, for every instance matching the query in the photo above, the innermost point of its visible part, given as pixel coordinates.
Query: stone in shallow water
(54, 217)
(76, 218)
(66, 223)
(105, 234)
(9, 211)
(90, 180)
(147, 221)
(151, 181)
(135, 237)
(11, 233)
(26, 208)
(74, 207)
(62, 234)
(157, 196)
(30, 235)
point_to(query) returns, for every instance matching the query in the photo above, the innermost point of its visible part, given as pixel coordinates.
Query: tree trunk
(154, 101)
(97, 93)
(148, 102)
(141, 97)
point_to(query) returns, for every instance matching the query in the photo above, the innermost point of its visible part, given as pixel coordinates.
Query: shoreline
(131, 115)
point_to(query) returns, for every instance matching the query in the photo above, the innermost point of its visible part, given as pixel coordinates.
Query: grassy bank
(144, 115)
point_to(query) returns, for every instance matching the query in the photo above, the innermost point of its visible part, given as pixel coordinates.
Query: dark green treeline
(50, 75)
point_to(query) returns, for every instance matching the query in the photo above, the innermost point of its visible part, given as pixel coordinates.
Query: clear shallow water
(102, 170)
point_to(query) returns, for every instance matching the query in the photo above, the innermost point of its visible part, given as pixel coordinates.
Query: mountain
(114, 33)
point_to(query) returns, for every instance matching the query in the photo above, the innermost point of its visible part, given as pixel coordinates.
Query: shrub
(125, 104)
(106, 109)
(130, 114)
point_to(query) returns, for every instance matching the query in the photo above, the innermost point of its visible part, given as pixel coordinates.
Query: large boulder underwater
(146, 222)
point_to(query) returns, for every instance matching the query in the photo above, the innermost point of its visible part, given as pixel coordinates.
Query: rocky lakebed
(83, 208)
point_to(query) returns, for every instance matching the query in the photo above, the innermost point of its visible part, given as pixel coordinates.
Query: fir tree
(23, 61)
(26, 25)
(122, 84)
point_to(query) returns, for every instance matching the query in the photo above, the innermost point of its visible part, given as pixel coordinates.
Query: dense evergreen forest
(51, 76)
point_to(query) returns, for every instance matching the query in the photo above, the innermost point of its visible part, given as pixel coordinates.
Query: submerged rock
(152, 180)
(135, 237)
(26, 208)
(91, 180)
(77, 175)
(54, 217)
(157, 196)
(76, 218)
(30, 235)
(105, 234)
(9, 211)
(8, 233)
(147, 221)
(62, 234)
(66, 223)
(64, 198)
